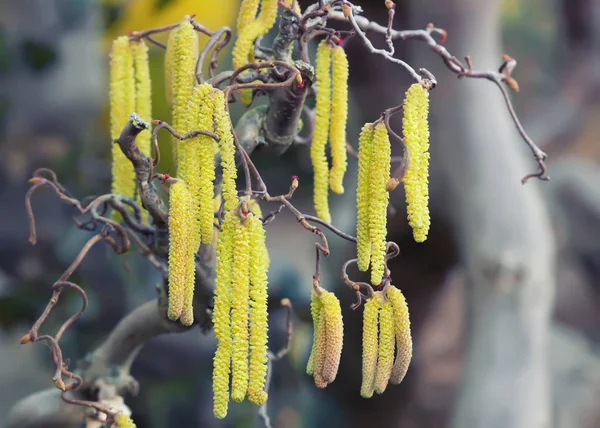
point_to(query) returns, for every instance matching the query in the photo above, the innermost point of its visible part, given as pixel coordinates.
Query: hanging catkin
(416, 136)
(339, 116)
(363, 236)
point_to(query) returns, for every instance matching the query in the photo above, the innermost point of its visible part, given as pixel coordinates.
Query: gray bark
(506, 241)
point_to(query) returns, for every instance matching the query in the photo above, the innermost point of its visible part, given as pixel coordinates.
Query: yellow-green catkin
(385, 358)
(258, 312)
(320, 133)
(416, 136)
(122, 104)
(227, 150)
(378, 199)
(222, 314)
(332, 315)
(207, 171)
(143, 102)
(243, 50)
(247, 14)
(321, 351)
(239, 312)
(315, 310)
(402, 332)
(363, 237)
(339, 116)
(181, 254)
(123, 421)
(370, 346)
(185, 54)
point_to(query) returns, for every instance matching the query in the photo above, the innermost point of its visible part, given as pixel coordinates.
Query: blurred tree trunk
(504, 234)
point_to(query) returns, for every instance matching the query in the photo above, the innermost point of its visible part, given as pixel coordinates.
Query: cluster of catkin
(374, 154)
(386, 325)
(328, 337)
(130, 91)
(192, 205)
(416, 137)
(331, 69)
(240, 311)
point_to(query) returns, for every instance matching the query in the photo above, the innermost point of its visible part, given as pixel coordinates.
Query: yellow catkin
(363, 237)
(122, 104)
(180, 252)
(189, 163)
(335, 335)
(123, 421)
(321, 128)
(239, 313)
(416, 136)
(227, 150)
(321, 351)
(247, 14)
(369, 346)
(207, 171)
(185, 54)
(315, 310)
(243, 50)
(143, 102)
(378, 200)
(403, 337)
(258, 312)
(339, 116)
(385, 358)
(221, 314)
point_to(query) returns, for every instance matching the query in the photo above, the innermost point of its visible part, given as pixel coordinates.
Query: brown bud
(26, 339)
(346, 9)
(294, 182)
(391, 184)
(389, 4)
(60, 384)
(35, 180)
(512, 83)
(286, 302)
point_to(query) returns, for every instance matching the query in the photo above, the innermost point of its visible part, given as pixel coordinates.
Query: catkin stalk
(320, 134)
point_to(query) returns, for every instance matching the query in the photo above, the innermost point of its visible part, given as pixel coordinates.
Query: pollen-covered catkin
(339, 115)
(402, 331)
(243, 50)
(227, 150)
(416, 136)
(239, 312)
(258, 312)
(363, 237)
(221, 314)
(123, 421)
(122, 104)
(385, 358)
(185, 53)
(332, 315)
(369, 346)
(247, 14)
(321, 129)
(378, 201)
(315, 310)
(180, 252)
(321, 352)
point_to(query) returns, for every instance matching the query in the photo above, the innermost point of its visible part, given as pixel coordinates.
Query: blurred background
(504, 295)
